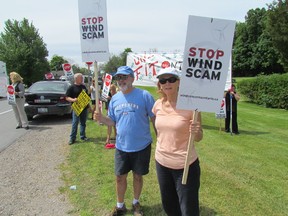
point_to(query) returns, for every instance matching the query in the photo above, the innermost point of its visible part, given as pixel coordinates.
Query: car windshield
(48, 86)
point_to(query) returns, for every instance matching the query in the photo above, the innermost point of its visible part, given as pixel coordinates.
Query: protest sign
(3, 86)
(106, 86)
(10, 95)
(221, 113)
(205, 63)
(82, 101)
(4, 82)
(49, 76)
(205, 67)
(147, 65)
(93, 30)
(68, 71)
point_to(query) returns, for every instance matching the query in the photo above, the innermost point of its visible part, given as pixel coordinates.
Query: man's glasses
(170, 80)
(121, 77)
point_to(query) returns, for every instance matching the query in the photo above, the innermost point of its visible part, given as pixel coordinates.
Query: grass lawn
(240, 175)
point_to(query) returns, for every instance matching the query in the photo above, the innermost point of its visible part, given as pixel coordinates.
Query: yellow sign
(82, 101)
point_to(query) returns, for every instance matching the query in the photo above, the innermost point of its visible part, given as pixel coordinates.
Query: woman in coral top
(173, 131)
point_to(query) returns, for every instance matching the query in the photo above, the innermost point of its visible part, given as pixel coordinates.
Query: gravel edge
(29, 175)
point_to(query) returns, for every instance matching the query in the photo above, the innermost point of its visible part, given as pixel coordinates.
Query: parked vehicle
(47, 98)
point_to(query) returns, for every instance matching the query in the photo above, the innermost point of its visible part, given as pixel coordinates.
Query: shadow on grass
(153, 210)
(158, 210)
(208, 127)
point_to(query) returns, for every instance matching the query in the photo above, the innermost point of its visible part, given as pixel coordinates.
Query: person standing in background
(92, 96)
(71, 95)
(18, 107)
(112, 91)
(231, 98)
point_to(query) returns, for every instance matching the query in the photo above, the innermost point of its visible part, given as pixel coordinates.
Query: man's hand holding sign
(81, 102)
(205, 66)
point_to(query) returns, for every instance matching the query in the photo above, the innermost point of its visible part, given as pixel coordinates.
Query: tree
(56, 63)
(254, 52)
(116, 61)
(240, 50)
(23, 50)
(277, 25)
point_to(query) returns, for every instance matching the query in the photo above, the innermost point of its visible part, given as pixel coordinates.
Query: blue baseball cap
(125, 70)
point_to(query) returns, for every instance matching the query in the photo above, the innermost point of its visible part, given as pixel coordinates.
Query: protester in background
(173, 131)
(18, 107)
(130, 110)
(112, 91)
(92, 96)
(231, 97)
(71, 95)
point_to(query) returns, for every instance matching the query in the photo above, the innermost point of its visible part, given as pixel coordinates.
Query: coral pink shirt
(172, 136)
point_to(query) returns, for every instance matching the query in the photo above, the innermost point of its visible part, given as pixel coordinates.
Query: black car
(47, 98)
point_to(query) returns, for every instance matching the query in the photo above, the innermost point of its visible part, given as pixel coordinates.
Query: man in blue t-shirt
(130, 110)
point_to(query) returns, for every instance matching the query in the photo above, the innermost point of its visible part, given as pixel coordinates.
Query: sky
(140, 25)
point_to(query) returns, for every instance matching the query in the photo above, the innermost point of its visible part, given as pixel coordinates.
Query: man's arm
(72, 100)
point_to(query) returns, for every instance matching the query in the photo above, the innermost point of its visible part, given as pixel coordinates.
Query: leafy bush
(270, 91)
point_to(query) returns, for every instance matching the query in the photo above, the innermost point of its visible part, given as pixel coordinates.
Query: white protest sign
(4, 82)
(205, 63)
(10, 95)
(67, 68)
(49, 76)
(222, 111)
(147, 65)
(93, 30)
(3, 86)
(106, 86)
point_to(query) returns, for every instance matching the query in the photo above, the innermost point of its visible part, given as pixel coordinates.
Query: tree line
(261, 42)
(260, 46)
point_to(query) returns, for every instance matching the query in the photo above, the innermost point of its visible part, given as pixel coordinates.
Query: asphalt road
(8, 131)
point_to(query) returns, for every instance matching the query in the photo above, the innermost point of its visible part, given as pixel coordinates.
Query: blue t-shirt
(131, 114)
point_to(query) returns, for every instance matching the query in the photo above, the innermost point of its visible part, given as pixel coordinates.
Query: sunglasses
(170, 80)
(121, 77)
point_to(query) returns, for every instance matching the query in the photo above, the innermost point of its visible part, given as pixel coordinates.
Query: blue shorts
(138, 162)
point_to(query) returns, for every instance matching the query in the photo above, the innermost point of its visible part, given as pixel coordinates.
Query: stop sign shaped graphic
(165, 64)
(89, 63)
(67, 67)
(108, 80)
(10, 89)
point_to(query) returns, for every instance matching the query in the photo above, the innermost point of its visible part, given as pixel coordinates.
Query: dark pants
(234, 122)
(75, 121)
(179, 199)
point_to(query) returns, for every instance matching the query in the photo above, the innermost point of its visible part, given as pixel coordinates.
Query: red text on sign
(203, 52)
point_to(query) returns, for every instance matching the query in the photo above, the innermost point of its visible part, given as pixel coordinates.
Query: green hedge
(270, 91)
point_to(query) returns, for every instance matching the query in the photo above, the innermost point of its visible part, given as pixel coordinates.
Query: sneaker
(85, 139)
(119, 211)
(137, 209)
